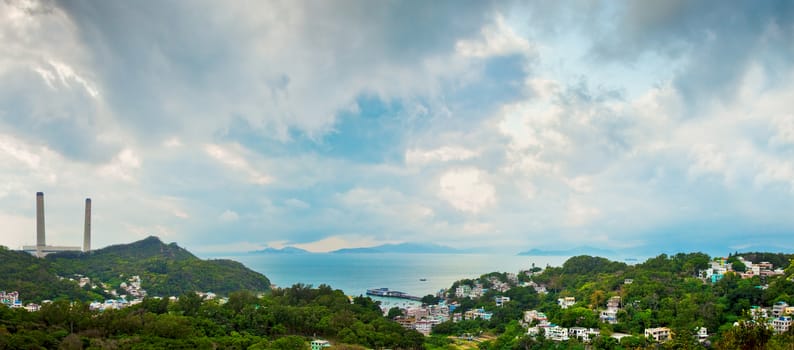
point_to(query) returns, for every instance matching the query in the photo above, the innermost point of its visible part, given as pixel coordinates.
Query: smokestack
(40, 241)
(87, 230)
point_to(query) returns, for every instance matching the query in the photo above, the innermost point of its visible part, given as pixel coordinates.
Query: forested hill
(165, 270)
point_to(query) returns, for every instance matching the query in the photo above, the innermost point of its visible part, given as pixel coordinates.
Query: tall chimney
(40, 241)
(87, 230)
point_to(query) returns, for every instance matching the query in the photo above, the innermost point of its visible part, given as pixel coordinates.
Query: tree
(429, 299)
(290, 342)
(747, 335)
(394, 312)
(188, 304)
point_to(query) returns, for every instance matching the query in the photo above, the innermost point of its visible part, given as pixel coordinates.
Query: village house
(534, 315)
(610, 315)
(781, 324)
(659, 334)
(500, 300)
(779, 309)
(566, 302)
(318, 344)
(583, 334)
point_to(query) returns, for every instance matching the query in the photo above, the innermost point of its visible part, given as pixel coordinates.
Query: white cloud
(775, 171)
(172, 142)
(582, 184)
(783, 128)
(497, 39)
(580, 214)
(59, 72)
(123, 166)
(442, 154)
(467, 190)
(232, 158)
(18, 230)
(386, 202)
(336, 242)
(297, 203)
(18, 152)
(229, 216)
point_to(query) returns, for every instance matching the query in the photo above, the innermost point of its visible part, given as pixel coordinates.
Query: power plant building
(41, 248)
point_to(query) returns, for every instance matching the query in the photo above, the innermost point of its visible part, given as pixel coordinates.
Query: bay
(355, 273)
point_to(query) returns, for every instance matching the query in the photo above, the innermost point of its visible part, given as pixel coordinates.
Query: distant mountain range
(569, 252)
(406, 248)
(285, 250)
(412, 248)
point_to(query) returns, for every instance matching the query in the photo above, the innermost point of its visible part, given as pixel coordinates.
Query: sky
(503, 126)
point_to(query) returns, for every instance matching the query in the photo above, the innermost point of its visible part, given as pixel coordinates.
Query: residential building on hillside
(781, 324)
(535, 315)
(477, 313)
(500, 300)
(658, 334)
(702, 334)
(583, 334)
(566, 302)
(610, 315)
(557, 333)
(10, 299)
(319, 344)
(779, 309)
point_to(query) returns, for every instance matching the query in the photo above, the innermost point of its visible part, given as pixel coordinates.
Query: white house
(659, 334)
(566, 302)
(781, 324)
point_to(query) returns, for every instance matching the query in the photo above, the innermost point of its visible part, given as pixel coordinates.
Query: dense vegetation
(166, 269)
(35, 280)
(664, 291)
(284, 319)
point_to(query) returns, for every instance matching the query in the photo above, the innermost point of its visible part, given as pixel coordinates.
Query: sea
(415, 274)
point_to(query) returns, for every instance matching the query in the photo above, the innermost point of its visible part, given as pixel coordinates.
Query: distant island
(568, 252)
(285, 250)
(401, 248)
(409, 248)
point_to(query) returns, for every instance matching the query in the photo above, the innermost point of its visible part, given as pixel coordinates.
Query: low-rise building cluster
(720, 266)
(12, 300)
(777, 317)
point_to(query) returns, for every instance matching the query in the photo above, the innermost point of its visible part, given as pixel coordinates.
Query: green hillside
(165, 270)
(35, 280)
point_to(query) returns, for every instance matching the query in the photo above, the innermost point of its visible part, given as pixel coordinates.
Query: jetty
(385, 292)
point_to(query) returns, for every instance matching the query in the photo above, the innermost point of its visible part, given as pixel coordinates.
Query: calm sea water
(355, 273)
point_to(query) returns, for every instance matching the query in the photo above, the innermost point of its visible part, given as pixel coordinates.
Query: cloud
(297, 203)
(498, 39)
(59, 73)
(338, 242)
(783, 127)
(345, 125)
(442, 154)
(122, 166)
(232, 158)
(229, 216)
(467, 190)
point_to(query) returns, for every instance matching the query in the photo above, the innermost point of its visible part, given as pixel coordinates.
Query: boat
(423, 279)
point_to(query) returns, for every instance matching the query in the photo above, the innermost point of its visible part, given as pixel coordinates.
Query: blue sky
(638, 126)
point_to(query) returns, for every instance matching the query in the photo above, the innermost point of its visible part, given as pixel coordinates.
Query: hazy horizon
(502, 126)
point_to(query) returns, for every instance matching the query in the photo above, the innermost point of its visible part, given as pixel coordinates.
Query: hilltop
(165, 269)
